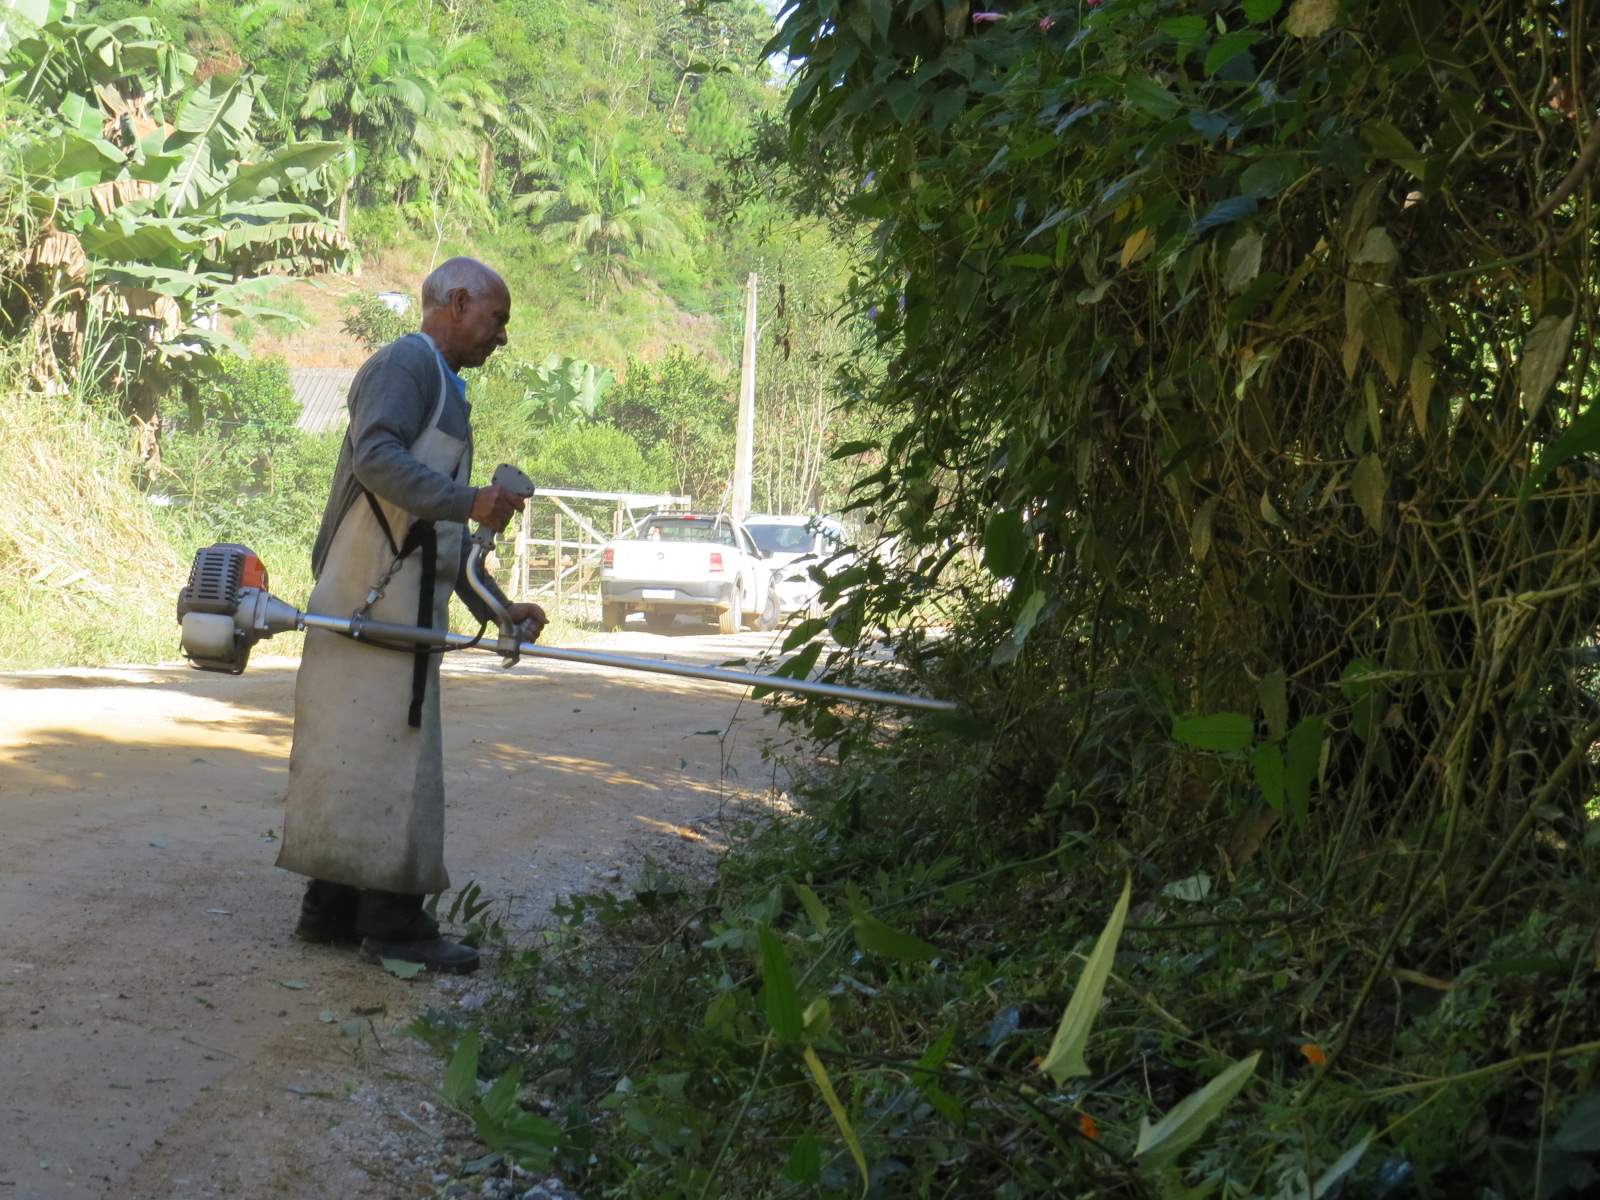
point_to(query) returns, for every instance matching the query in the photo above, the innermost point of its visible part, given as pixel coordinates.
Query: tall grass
(86, 576)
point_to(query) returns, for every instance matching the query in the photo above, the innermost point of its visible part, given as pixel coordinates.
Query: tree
(598, 200)
(148, 207)
(680, 410)
(396, 97)
(593, 458)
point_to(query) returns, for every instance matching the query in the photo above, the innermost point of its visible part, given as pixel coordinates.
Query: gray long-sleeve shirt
(391, 399)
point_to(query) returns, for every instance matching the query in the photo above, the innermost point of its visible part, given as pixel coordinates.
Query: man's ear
(458, 303)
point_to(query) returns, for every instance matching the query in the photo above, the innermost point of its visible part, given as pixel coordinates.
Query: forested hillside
(201, 192)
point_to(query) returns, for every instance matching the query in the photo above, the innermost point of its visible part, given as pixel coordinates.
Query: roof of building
(320, 392)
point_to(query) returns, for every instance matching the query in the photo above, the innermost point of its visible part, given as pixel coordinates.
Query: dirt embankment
(163, 1036)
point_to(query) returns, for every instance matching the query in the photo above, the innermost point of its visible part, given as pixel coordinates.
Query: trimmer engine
(225, 609)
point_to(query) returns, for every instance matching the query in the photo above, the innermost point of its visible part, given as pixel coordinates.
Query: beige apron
(366, 790)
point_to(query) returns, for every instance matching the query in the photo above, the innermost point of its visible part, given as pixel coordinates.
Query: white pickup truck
(705, 566)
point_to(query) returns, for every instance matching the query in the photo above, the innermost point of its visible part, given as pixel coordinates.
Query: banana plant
(147, 198)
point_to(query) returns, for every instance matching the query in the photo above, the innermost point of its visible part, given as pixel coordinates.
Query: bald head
(465, 309)
(459, 275)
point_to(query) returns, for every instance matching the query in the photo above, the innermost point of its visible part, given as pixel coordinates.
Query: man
(365, 815)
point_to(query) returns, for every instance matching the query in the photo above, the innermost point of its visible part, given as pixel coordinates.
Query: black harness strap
(422, 535)
(383, 521)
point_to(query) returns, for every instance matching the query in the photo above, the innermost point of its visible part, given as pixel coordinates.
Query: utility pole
(745, 430)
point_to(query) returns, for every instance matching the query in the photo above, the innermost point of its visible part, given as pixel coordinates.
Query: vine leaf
(1267, 762)
(1300, 767)
(782, 999)
(461, 1076)
(1003, 544)
(875, 937)
(1244, 262)
(1368, 485)
(1065, 1058)
(1544, 354)
(1223, 732)
(1581, 437)
(1273, 693)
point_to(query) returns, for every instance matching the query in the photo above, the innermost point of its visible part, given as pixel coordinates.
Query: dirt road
(161, 1034)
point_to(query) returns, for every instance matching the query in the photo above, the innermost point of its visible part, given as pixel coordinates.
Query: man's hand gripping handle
(507, 493)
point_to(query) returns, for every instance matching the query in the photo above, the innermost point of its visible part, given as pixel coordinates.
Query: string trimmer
(227, 608)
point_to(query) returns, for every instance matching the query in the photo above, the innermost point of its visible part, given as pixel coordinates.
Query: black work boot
(328, 913)
(395, 926)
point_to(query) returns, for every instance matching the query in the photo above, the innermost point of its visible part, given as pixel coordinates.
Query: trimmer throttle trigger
(513, 480)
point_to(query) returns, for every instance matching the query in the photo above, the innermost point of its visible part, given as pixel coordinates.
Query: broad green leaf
(1273, 694)
(1004, 546)
(1065, 1058)
(501, 1097)
(34, 12)
(1192, 889)
(1160, 1144)
(1244, 262)
(1340, 1167)
(1224, 212)
(1385, 334)
(947, 106)
(873, 936)
(137, 241)
(1376, 247)
(1184, 29)
(209, 131)
(782, 1000)
(1302, 763)
(932, 1058)
(851, 449)
(1229, 46)
(1222, 732)
(1544, 355)
(1268, 175)
(1386, 141)
(267, 176)
(816, 910)
(902, 96)
(1027, 617)
(1581, 437)
(1267, 763)
(805, 1160)
(1368, 486)
(817, 1019)
(840, 1117)
(1580, 1129)
(461, 1076)
(1261, 10)
(1146, 94)
(401, 969)
(83, 116)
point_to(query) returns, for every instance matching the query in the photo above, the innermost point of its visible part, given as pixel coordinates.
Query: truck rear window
(667, 530)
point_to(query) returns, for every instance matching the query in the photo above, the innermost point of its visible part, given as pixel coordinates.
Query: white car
(793, 545)
(701, 565)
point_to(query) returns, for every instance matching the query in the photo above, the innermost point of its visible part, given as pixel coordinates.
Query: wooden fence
(559, 539)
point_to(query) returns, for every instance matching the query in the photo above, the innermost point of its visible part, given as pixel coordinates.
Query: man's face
(480, 325)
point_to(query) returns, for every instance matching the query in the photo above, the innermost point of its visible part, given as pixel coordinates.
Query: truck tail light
(610, 559)
(716, 562)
